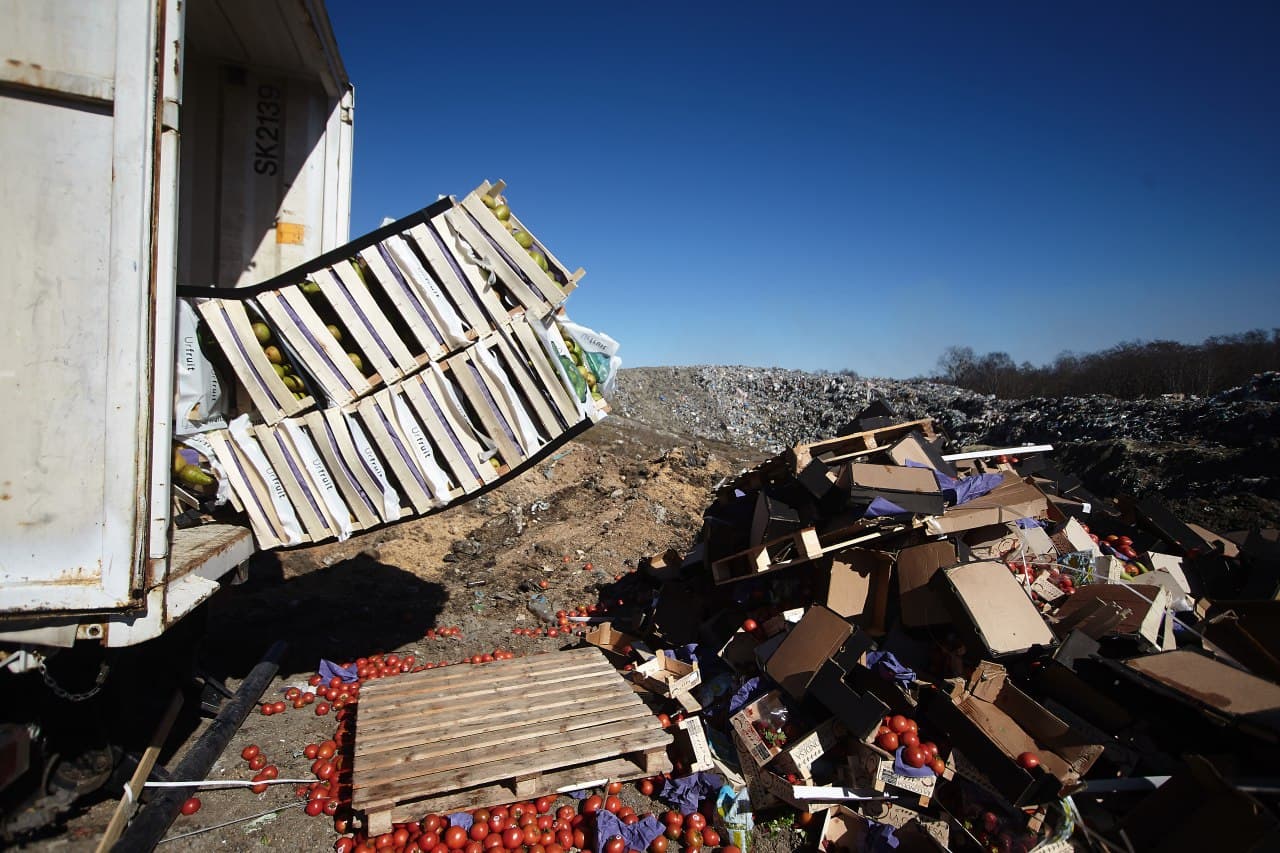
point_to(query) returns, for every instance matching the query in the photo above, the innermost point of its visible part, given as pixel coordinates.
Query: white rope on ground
(230, 822)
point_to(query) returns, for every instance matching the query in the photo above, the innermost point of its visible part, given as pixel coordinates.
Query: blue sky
(845, 185)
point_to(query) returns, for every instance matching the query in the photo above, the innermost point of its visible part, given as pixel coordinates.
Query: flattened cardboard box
(858, 587)
(818, 635)
(917, 565)
(987, 600)
(1218, 689)
(1142, 610)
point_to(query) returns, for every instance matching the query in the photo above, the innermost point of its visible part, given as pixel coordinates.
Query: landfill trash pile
(405, 371)
(931, 650)
(1216, 458)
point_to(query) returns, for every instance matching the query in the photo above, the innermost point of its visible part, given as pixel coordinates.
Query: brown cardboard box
(667, 676)
(989, 604)
(616, 645)
(795, 754)
(993, 722)
(916, 567)
(1011, 500)
(846, 831)
(1141, 608)
(817, 636)
(858, 587)
(913, 489)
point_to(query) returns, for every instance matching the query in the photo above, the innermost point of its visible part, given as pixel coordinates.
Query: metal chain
(61, 693)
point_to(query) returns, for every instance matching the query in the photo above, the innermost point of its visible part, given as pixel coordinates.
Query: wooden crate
(381, 271)
(460, 282)
(524, 292)
(430, 395)
(475, 204)
(495, 414)
(257, 489)
(527, 343)
(401, 256)
(353, 303)
(305, 477)
(231, 324)
(325, 357)
(355, 467)
(407, 449)
(501, 347)
(469, 277)
(450, 738)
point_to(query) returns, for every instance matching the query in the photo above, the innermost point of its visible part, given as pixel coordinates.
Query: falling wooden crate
(454, 737)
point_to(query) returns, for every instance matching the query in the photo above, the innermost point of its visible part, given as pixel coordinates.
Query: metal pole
(146, 830)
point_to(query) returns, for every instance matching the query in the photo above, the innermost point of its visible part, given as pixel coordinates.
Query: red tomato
(497, 822)
(1028, 761)
(750, 626)
(344, 845)
(512, 838)
(937, 765)
(898, 723)
(612, 804)
(909, 738)
(579, 839)
(592, 804)
(564, 838)
(710, 837)
(729, 848)
(492, 841)
(913, 756)
(532, 834)
(314, 807)
(191, 805)
(311, 750)
(692, 839)
(322, 709)
(455, 838)
(614, 788)
(432, 823)
(659, 845)
(888, 741)
(543, 804)
(250, 751)
(473, 847)
(645, 787)
(697, 820)
(673, 817)
(479, 829)
(258, 762)
(565, 812)
(615, 845)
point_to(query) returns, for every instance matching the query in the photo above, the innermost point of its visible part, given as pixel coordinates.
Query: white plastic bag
(199, 402)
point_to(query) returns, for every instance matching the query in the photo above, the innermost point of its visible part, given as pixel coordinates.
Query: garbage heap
(963, 650)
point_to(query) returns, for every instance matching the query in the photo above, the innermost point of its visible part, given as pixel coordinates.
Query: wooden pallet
(461, 737)
(832, 451)
(795, 548)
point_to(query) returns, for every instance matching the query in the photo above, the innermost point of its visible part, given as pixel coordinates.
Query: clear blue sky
(848, 185)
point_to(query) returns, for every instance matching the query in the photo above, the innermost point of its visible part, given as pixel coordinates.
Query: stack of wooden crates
(397, 374)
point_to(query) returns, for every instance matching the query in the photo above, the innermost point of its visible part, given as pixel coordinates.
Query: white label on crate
(372, 464)
(451, 325)
(923, 786)
(460, 414)
(1046, 588)
(422, 450)
(336, 508)
(200, 404)
(493, 370)
(291, 531)
(201, 445)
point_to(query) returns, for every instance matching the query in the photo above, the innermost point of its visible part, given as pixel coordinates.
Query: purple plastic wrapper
(902, 768)
(745, 695)
(881, 837)
(462, 819)
(638, 836)
(686, 792)
(888, 667)
(328, 669)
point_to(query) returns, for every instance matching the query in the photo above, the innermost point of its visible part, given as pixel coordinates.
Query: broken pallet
(797, 547)
(461, 737)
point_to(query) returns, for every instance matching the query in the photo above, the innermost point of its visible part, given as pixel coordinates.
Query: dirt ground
(577, 521)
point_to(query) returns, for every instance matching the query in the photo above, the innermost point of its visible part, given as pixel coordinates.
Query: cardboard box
(993, 722)
(912, 821)
(761, 747)
(694, 740)
(917, 565)
(1219, 691)
(1006, 503)
(858, 587)
(820, 634)
(991, 606)
(1247, 631)
(914, 448)
(915, 490)
(1071, 537)
(1093, 609)
(667, 676)
(873, 768)
(795, 795)
(846, 831)
(616, 645)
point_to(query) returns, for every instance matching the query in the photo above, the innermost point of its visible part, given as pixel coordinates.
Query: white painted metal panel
(77, 243)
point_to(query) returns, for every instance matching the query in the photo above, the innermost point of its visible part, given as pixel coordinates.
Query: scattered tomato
(191, 805)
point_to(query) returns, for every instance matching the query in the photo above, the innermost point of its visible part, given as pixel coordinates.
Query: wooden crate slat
(571, 671)
(502, 245)
(442, 391)
(324, 355)
(496, 673)
(408, 715)
(397, 251)
(365, 463)
(228, 321)
(567, 779)
(509, 276)
(494, 423)
(344, 469)
(452, 275)
(388, 276)
(529, 386)
(465, 471)
(601, 742)
(527, 340)
(476, 277)
(413, 734)
(250, 488)
(502, 390)
(376, 768)
(350, 300)
(306, 505)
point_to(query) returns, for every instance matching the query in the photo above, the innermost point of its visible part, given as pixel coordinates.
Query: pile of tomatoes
(538, 827)
(900, 732)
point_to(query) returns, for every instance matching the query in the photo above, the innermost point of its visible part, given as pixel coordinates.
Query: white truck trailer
(143, 144)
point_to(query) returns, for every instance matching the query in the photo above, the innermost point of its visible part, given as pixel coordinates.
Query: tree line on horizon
(1129, 370)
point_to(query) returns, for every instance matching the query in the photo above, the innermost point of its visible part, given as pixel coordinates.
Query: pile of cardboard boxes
(1069, 694)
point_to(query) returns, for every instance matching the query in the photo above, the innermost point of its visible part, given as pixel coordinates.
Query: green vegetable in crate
(502, 212)
(193, 476)
(539, 259)
(310, 288)
(571, 370)
(335, 331)
(273, 354)
(489, 201)
(357, 361)
(262, 332)
(523, 238)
